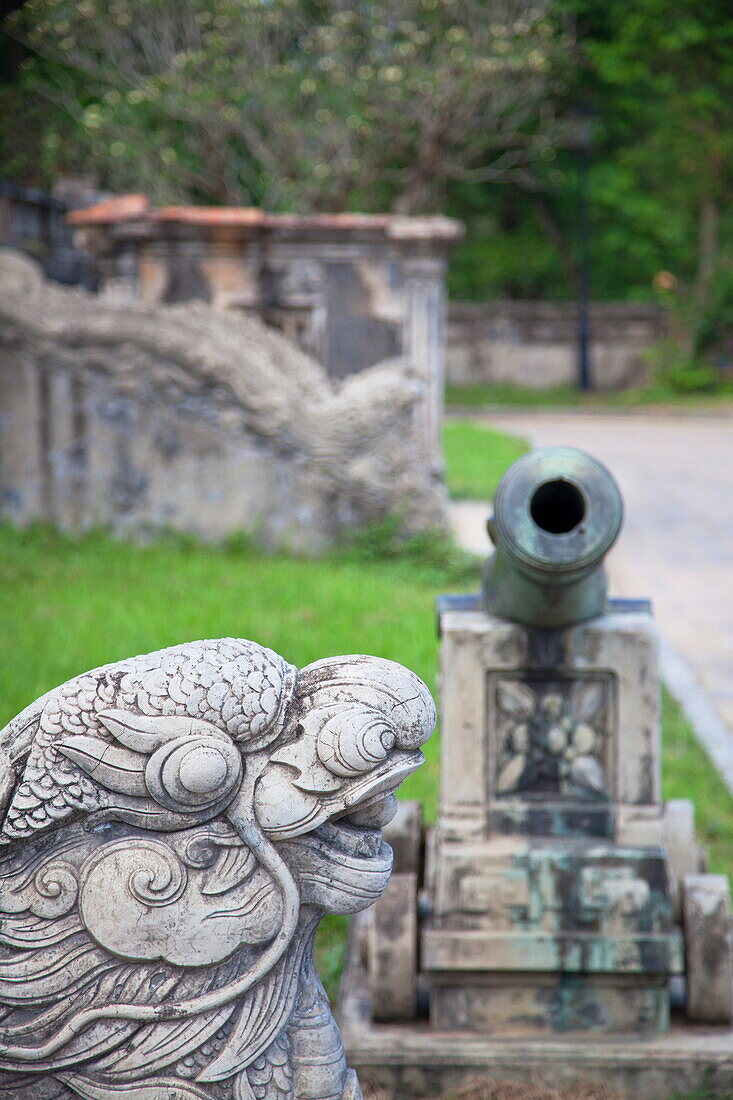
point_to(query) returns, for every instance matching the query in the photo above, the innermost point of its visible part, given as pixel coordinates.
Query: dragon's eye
(353, 741)
(188, 775)
(203, 770)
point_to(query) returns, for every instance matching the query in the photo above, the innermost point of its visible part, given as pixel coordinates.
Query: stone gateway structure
(173, 827)
(350, 289)
(200, 421)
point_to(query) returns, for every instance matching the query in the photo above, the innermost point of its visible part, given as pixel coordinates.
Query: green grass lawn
(475, 458)
(68, 604)
(655, 394)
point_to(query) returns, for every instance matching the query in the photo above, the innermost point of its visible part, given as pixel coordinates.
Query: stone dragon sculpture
(349, 447)
(174, 826)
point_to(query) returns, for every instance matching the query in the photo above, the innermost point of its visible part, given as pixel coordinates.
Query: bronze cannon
(557, 513)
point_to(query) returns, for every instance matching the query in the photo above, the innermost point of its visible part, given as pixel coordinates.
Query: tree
(658, 79)
(663, 75)
(303, 104)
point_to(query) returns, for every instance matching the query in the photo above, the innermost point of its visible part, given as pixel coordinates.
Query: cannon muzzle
(557, 513)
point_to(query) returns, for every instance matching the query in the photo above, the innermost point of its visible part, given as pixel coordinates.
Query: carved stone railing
(191, 419)
(174, 826)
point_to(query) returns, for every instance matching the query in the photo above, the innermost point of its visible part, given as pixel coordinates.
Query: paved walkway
(676, 546)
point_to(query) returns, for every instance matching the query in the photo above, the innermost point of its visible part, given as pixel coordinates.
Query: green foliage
(688, 773)
(685, 378)
(415, 105)
(713, 334)
(433, 552)
(300, 104)
(658, 78)
(704, 1093)
(330, 951)
(505, 252)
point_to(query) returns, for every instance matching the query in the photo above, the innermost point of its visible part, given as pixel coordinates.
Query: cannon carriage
(556, 892)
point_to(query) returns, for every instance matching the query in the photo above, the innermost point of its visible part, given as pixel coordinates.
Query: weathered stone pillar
(425, 346)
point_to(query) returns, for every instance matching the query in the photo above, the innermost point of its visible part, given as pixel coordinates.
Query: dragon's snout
(358, 723)
(381, 686)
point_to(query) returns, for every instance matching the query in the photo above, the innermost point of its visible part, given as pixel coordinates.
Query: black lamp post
(582, 140)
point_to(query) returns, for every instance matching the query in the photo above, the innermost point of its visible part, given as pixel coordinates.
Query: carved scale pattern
(237, 686)
(270, 1077)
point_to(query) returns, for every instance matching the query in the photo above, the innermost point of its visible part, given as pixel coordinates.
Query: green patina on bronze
(557, 513)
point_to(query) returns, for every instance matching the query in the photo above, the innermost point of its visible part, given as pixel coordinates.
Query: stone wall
(181, 417)
(534, 344)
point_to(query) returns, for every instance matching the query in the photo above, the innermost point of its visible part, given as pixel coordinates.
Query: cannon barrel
(557, 513)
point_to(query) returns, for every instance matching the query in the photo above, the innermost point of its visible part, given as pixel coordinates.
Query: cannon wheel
(392, 935)
(392, 950)
(684, 854)
(706, 911)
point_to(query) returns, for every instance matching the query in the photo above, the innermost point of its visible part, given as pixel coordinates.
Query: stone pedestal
(550, 906)
(419, 1061)
(561, 901)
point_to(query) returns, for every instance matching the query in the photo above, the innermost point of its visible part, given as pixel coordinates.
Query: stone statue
(203, 421)
(173, 828)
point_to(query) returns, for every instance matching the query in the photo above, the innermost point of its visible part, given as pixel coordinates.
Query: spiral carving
(194, 775)
(350, 743)
(130, 893)
(161, 880)
(202, 850)
(57, 887)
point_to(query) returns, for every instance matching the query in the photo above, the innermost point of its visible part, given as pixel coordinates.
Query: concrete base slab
(412, 1061)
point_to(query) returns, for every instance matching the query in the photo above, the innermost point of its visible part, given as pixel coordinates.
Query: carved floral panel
(552, 735)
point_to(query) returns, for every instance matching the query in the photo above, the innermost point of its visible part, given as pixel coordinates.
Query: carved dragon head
(173, 828)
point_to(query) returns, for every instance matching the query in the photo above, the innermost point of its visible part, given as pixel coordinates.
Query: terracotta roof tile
(136, 208)
(121, 208)
(210, 215)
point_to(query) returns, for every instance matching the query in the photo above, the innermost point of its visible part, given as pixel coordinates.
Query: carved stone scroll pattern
(552, 736)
